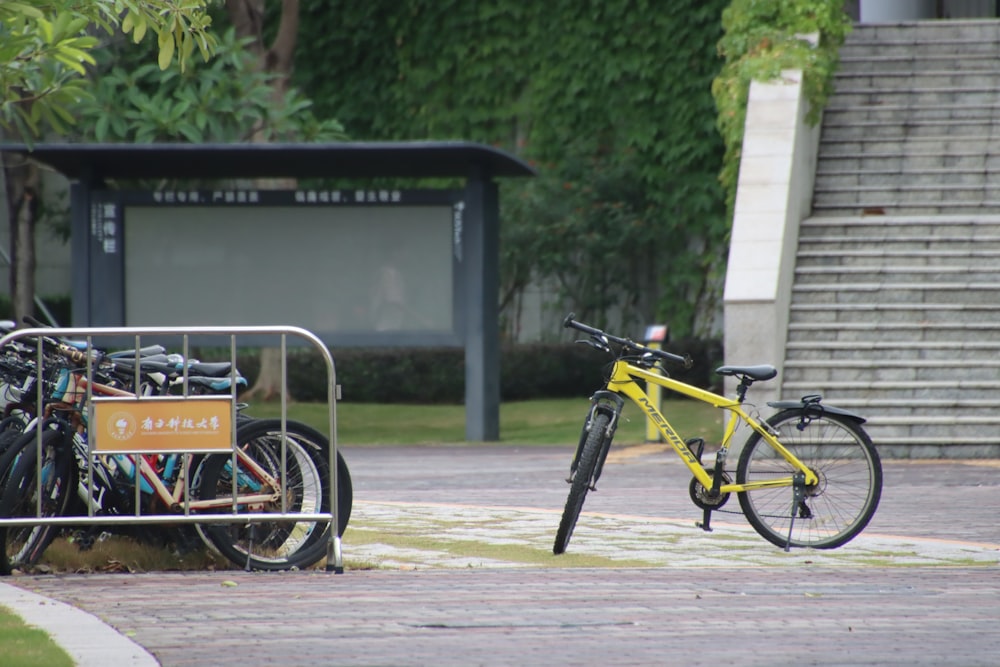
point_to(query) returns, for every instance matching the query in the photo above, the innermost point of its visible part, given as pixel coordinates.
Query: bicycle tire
(277, 545)
(838, 507)
(23, 546)
(581, 481)
(9, 438)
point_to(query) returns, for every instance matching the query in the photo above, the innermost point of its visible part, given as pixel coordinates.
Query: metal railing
(334, 557)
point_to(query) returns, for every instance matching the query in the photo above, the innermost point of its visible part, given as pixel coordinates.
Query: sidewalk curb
(89, 641)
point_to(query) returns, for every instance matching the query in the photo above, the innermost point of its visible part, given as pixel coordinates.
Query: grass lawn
(539, 422)
(25, 646)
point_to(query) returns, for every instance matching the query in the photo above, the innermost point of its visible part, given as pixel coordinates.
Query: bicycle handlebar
(571, 323)
(67, 351)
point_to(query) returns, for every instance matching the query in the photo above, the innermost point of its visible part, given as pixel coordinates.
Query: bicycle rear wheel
(279, 544)
(22, 546)
(581, 481)
(833, 511)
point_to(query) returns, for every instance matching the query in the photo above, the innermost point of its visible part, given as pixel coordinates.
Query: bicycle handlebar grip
(571, 323)
(71, 353)
(68, 352)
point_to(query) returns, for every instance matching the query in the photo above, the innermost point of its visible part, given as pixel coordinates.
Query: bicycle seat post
(742, 387)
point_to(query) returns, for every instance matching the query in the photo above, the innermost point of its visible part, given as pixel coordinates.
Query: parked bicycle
(47, 469)
(809, 476)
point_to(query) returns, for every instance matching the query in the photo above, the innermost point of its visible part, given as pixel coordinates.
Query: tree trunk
(22, 180)
(247, 17)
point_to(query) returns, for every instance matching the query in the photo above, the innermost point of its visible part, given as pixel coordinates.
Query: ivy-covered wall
(611, 100)
(632, 111)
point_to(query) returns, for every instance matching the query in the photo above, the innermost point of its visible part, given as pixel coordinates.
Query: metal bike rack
(334, 559)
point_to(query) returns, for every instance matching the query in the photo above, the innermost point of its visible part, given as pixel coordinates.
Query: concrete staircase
(896, 301)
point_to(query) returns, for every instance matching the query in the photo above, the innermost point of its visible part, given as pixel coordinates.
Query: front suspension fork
(611, 404)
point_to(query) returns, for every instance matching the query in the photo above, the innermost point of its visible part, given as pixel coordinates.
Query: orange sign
(167, 424)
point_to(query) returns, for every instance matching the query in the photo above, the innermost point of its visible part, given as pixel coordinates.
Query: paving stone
(919, 587)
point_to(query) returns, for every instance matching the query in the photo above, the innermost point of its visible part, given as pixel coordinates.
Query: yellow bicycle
(809, 476)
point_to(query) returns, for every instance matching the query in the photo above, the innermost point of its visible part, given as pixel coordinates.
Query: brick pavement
(803, 610)
(701, 616)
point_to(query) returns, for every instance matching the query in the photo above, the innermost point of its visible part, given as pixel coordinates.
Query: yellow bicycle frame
(623, 381)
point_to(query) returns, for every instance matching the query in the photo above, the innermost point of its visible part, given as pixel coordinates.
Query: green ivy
(762, 38)
(610, 101)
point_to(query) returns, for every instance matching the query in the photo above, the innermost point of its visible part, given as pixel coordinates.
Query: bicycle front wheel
(22, 546)
(581, 481)
(834, 510)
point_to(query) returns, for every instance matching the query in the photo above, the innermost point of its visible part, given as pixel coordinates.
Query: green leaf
(140, 29)
(166, 51)
(46, 28)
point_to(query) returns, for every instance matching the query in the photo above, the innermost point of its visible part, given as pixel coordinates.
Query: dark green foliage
(611, 101)
(60, 306)
(227, 99)
(437, 375)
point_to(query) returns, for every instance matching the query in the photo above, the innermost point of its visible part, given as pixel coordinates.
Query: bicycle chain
(740, 511)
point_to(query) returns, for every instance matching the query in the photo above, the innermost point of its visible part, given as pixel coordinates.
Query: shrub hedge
(437, 375)
(60, 306)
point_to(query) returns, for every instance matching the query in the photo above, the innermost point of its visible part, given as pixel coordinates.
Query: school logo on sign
(121, 426)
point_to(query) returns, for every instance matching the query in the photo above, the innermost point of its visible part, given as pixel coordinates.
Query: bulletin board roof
(416, 159)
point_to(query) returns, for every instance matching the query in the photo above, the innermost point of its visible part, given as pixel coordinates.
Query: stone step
(925, 38)
(903, 201)
(898, 332)
(909, 439)
(857, 96)
(944, 447)
(928, 410)
(815, 252)
(837, 112)
(877, 395)
(912, 195)
(918, 192)
(914, 61)
(910, 128)
(834, 209)
(967, 29)
(891, 275)
(923, 314)
(848, 243)
(896, 163)
(820, 372)
(877, 351)
(916, 146)
(949, 389)
(931, 290)
(893, 180)
(864, 343)
(915, 80)
(952, 226)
